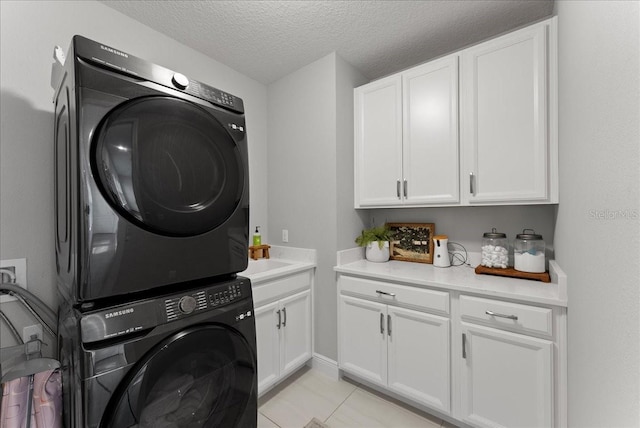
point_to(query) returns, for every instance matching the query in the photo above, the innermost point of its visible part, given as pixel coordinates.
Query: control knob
(187, 304)
(180, 81)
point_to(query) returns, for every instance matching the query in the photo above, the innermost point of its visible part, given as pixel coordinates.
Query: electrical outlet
(18, 268)
(32, 330)
(285, 235)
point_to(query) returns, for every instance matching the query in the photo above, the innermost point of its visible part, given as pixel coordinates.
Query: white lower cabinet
(481, 361)
(507, 378)
(418, 356)
(363, 343)
(283, 336)
(403, 350)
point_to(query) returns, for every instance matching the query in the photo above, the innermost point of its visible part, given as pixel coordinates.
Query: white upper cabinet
(509, 132)
(378, 143)
(408, 152)
(430, 137)
(407, 138)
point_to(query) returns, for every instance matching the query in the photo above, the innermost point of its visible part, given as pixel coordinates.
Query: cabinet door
(363, 339)
(507, 379)
(505, 134)
(295, 348)
(418, 352)
(430, 137)
(268, 345)
(378, 143)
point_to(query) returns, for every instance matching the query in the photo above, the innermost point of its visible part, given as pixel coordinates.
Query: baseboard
(325, 365)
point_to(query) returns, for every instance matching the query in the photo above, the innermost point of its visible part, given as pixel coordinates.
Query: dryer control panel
(125, 63)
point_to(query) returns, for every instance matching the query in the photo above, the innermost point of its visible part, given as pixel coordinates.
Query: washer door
(168, 166)
(200, 377)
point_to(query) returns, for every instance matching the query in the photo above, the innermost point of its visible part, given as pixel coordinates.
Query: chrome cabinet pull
(284, 312)
(382, 324)
(279, 320)
(385, 293)
(398, 188)
(472, 180)
(405, 188)
(464, 346)
(495, 314)
(389, 325)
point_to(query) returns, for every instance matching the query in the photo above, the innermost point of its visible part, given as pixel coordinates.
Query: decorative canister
(495, 253)
(528, 252)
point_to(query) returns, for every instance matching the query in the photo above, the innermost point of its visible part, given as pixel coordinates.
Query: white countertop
(284, 261)
(463, 279)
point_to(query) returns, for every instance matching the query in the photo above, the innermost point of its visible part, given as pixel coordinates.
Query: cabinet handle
(279, 320)
(398, 188)
(405, 188)
(472, 180)
(382, 324)
(464, 346)
(284, 312)
(495, 314)
(386, 293)
(389, 325)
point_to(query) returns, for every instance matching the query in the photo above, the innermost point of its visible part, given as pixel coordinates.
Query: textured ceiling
(267, 40)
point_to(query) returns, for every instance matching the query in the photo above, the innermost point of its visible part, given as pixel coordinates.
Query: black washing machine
(184, 360)
(151, 183)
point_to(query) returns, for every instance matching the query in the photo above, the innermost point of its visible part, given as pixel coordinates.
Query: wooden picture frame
(412, 242)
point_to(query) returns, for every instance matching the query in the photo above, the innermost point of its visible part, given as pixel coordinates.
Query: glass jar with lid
(528, 252)
(495, 252)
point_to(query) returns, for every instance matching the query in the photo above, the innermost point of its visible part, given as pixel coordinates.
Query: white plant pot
(376, 254)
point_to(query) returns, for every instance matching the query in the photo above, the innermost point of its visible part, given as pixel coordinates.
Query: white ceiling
(267, 40)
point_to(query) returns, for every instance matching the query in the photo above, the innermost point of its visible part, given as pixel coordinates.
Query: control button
(187, 304)
(180, 81)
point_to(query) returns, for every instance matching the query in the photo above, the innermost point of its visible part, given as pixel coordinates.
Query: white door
(418, 352)
(430, 137)
(504, 132)
(296, 331)
(268, 345)
(378, 143)
(507, 379)
(363, 339)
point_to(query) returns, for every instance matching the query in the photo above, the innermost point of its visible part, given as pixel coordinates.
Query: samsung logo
(119, 313)
(113, 51)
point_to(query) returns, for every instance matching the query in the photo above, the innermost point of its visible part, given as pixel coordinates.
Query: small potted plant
(376, 242)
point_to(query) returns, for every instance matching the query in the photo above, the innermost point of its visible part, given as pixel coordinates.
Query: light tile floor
(339, 404)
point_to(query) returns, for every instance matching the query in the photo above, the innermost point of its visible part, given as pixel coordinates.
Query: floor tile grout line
(270, 420)
(400, 407)
(340, 405)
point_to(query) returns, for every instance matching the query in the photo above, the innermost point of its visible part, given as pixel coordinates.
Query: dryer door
(204, 376)
(168, 165)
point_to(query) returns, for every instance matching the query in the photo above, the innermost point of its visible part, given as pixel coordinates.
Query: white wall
(307, 172)
(350, 221)
(598, 225)
(29, 31)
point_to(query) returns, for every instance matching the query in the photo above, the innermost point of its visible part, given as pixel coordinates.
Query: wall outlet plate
(19, 268)
(32, 330)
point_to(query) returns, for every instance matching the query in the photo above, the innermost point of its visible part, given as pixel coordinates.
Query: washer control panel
(177, 306)
(139, 316)
(180, 306)
(225, 296)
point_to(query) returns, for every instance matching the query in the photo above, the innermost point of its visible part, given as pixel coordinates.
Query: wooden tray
(511, 272)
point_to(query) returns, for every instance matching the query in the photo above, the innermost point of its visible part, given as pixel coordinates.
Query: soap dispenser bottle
(257, 238)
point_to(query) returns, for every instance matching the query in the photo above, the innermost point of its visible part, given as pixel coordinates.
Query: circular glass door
(200, 377)
(168, 166)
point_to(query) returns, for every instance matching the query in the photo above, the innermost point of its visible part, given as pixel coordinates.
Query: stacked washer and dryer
(152, 211)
